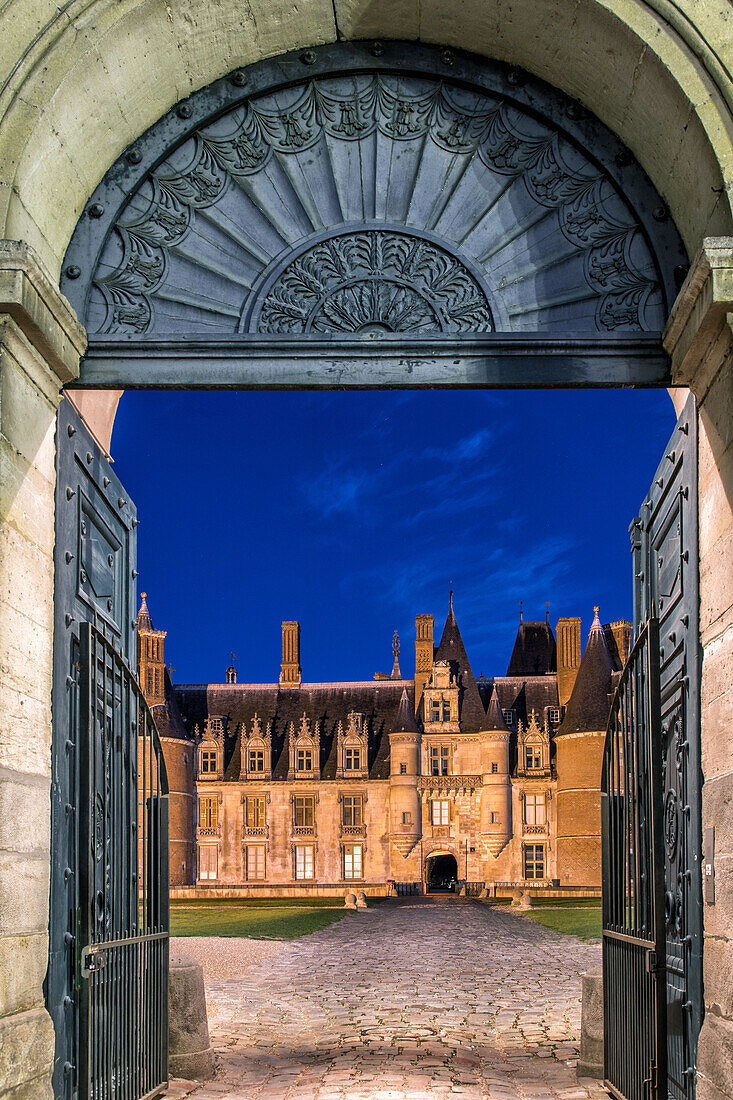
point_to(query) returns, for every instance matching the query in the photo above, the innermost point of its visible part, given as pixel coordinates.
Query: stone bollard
(361, 901)
(189, 1052)
(350, 900)
(484, 893)
(516, 898)
(525, 901)
(590, 1063)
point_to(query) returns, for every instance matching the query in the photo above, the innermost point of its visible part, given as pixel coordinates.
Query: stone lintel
(44, 316)
(702, 308)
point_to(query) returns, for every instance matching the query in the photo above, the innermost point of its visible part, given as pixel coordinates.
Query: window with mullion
(353, 861)
(304, 811)
(254, 813)
(353, 809)
(534, 861)
(439, 759)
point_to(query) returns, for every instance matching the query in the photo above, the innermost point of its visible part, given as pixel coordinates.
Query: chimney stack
(423, 653)
(290, 671)
(568, 657)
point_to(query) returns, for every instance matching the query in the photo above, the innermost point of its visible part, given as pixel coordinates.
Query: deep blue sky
(352, 512)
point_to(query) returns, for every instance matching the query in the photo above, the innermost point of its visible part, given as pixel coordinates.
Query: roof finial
(396, 674)
(521, 613)
(450, 599)
(596, 624)
(547, 611)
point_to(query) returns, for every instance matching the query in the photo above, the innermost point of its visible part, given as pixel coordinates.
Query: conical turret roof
(471, 710)
(495, 715)
(144, 622)
(589, 703)
(405, 721)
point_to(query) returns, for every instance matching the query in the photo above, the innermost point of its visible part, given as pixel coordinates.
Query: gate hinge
(652, 1080)
(652, 962)
(92, 961)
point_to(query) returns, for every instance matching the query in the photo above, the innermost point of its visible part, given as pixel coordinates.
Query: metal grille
(633, 876)
(122, 969)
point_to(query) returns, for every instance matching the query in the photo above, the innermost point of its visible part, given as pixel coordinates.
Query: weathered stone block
(715, 1057)
(591, 1026)
(26, 1053)
(189, 1052)
(25, 813)
(23, 964)
(718, 968)
(24, 883)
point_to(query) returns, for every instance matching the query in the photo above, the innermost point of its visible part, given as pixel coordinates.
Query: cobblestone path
(416, 998)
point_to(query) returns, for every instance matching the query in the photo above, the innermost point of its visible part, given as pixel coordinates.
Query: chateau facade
(392, 783)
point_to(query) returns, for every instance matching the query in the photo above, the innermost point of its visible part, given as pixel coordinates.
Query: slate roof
(522, 694)
(472, 714)
(167, 716)
(282, 704)
(535, 651)
(494, 716)
(590, 702)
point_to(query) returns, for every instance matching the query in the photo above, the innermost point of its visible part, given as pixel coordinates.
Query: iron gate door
(666, 615)
(108, 999)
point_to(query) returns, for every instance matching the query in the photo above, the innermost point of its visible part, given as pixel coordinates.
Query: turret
(404, 797)
(150, 655)
(423, 653)
(496, 792)
(579, 743)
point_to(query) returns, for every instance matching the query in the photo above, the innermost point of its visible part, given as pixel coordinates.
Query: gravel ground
(226, 957)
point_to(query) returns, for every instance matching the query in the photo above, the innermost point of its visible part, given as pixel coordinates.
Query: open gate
(107, 983)
(651, 801)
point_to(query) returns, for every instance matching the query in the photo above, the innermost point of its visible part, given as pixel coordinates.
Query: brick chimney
(567, 633)
(290, 671)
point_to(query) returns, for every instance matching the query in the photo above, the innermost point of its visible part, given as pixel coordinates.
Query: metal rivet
(238, 78)
(68, 619)
(70, 493)
(96, 210)
(134, 156)
(134, 574)
(309, 57)
(90, 458)
(73, 271)
(67, 1001)
(660, 213)
(515, 78)
(121, 502)
(68, 873)
(83, 575)
(574, 110)
(83, 528)
(185, 110)
(105, 481)
(110, 559)
(624, 158)
(377, 49)
(134, 522)
(70, 430)
(69, 557)
(109, 605)
(447, 57)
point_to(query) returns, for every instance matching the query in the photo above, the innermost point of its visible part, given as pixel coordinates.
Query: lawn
(582, 919)
(260, 919)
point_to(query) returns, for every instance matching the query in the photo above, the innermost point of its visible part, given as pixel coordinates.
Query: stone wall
(40, 345)
(579, 758)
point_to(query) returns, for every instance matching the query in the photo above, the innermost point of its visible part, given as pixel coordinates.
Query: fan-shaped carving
(377, 201)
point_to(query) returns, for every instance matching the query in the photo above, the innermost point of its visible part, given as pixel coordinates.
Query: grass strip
(585, 923)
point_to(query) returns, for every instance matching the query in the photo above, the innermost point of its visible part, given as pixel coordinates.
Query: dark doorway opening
(441, 873)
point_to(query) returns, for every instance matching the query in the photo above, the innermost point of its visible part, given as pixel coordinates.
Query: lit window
(304, 862)
(532, 757)
(352, 861)
(494, 767)
(304, 760)
(305, 811)
(534, 809)
(534, 861)
(440, 811)
(403, 769)
(407, 819)
(208, 812)
(353, 809)
(254, 813)
(439, 757)
(208, 861)
(352, 760)
(254, 862)
(256, 758)
(208, 760)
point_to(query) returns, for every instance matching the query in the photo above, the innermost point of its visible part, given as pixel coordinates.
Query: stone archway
(440, 872)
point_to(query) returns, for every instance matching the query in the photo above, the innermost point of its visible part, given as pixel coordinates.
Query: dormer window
(509, 717)
(208, 760)
(532, 757)
(304, 760)
(352, 760)
(256, 760)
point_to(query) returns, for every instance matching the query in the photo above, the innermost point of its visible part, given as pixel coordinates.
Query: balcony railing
(254, 830)
(353, 830)
(209, 830)
(304, 830)
(541, 830)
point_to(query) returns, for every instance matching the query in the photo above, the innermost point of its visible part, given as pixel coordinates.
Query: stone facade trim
(703, 306)
(41, 312)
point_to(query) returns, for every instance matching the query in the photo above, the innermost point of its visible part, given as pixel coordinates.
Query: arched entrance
(441, 873)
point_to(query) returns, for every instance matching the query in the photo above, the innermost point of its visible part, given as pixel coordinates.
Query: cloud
(336, 491)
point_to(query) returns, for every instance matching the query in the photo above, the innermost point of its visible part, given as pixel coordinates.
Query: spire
(495, 715)
(589, 703)
(396, 674)
(231, 672)
(472, 715)
(521, 613)
(405, 721)
(547, 611)
(144, 622)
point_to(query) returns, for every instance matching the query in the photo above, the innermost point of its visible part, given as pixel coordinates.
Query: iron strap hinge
(653, 1079)
(92, 961)
(652, 962)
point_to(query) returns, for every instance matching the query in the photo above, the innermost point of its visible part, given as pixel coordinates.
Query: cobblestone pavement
(418, 997)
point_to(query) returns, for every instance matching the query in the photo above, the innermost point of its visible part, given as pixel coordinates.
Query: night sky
(353, 512)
